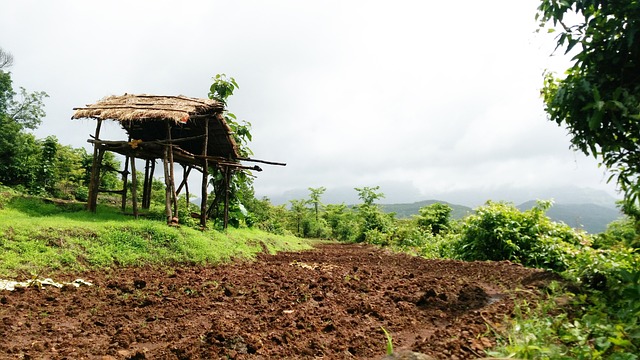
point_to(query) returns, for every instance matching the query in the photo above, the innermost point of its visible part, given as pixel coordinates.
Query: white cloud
(443, 95)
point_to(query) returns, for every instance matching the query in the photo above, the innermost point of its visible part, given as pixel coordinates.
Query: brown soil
(327, 303)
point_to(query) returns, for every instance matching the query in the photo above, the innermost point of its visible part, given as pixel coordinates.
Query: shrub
(499, 231)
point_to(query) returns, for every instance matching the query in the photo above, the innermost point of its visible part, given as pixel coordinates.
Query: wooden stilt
(150, 187)
(167, 184)
(125, 172)
(205, 176)
(145, 185)
(94, 181)
(134, 187)
(174, 196)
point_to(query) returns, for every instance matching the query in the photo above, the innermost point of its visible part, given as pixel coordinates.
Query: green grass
(38, 237)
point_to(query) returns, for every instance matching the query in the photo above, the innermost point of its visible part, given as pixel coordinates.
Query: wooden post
(150, 184)
(174, 197)
(205, 176)
(145, 185)
(134, 187)
(94, 182)
(167, 185)
(124, 183)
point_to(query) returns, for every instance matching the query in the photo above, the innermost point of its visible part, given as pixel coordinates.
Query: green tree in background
(374, 223)
(598, 97)
(435, 217)
(298, 211)
(315, 194)
(19, 150)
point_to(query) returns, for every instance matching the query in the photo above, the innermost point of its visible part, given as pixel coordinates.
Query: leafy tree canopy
(598, 97)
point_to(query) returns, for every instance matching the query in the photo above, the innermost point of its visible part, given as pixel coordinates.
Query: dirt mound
(330, 302)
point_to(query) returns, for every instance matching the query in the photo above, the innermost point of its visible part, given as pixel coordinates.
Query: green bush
(499, 231)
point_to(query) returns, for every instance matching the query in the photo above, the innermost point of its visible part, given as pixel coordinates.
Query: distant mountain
(590, 217)
(404, 211)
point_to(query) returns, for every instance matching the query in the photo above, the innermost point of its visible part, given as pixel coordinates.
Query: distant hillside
(590, 217)
(405, 211)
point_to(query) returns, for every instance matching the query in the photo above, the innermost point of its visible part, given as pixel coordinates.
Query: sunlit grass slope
(38, 237)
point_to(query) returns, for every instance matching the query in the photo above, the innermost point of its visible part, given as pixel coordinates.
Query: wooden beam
(134, 187)
(263, 161)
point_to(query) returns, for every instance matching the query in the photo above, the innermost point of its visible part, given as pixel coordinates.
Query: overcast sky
(434, 96)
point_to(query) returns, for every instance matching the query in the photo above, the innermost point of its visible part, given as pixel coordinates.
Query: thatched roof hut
(146, 119)
(188, 131)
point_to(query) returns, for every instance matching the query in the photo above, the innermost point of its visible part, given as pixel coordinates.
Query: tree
(598, 98)
(6, 59)
(314, 196)
(374, 223)
(240, 182)
(436, 217)
(19, 150)
(299, 211)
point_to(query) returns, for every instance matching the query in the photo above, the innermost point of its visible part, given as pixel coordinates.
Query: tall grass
(38, 237)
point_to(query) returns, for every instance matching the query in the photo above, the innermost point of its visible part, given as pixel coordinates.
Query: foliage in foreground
(601, 320)
(37, 237)
(597, 97)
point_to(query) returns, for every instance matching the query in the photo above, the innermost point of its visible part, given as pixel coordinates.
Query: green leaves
(598, 100)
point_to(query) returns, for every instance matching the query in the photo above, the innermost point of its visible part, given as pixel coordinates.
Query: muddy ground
(328, 303)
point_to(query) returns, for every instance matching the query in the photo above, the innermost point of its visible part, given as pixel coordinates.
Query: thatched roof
(146, 119)
(143, 107)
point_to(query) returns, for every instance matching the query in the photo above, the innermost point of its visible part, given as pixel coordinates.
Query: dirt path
(328, 303)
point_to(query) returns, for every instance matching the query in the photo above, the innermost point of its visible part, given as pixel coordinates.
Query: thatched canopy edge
(145, 107)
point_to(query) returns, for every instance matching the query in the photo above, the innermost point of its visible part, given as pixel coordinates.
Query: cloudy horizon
(442, 97)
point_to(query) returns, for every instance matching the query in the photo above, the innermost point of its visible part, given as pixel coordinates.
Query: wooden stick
(167, 192)
(205, 176)
(174, 196)
(95, 173)
(185, 175)
(134, 188)
(124, 183)
(262, 161)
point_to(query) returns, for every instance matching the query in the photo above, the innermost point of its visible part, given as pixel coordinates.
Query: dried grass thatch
(143, 107)
(150, 119)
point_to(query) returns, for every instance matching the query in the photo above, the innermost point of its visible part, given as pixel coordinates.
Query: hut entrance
(167, 130)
